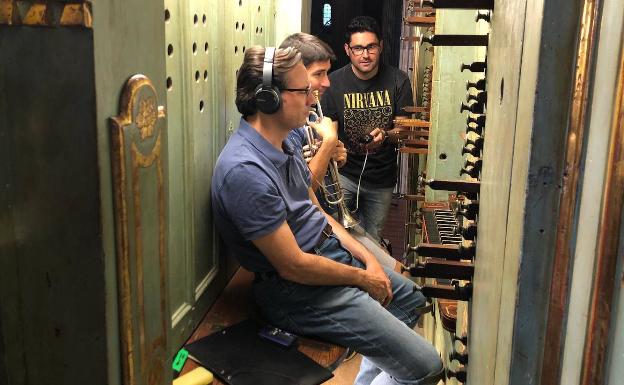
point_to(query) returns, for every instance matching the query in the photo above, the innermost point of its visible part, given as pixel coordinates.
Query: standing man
(364, 99)
(312, 277)
(317, 56)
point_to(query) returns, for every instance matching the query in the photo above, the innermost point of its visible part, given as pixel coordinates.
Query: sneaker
(349, 354)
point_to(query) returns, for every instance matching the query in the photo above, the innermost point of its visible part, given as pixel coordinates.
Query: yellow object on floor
(197, 376)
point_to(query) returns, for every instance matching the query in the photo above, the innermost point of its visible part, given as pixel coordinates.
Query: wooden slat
(410, 38)
(415, 142)
(410, 133)
(417, 198)
(411, 123)
(410, 150)
(414, 109)
(420, 21)
(424, 10)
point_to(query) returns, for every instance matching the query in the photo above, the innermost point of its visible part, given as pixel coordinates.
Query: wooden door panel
(205, 44)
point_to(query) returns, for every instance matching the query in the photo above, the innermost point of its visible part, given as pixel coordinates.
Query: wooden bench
(236, 304)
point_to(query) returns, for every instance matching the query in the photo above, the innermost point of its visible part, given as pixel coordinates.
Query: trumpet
(335, 197)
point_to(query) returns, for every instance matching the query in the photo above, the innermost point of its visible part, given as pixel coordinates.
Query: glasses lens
(358, 49)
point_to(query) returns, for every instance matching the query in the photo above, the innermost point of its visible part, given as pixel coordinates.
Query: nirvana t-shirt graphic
(363, 112)
(360, 106)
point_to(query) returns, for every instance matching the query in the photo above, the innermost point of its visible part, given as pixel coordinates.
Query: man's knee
(436, 374)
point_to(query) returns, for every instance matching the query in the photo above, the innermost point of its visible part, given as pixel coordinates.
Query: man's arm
(356, 248)
(391, 136)
(281, 249)
(353, 245)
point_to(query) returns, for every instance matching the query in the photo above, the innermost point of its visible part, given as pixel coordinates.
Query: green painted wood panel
(128, 39)
(192, 35)
(448, 92)
(204, 46)
(490, 309)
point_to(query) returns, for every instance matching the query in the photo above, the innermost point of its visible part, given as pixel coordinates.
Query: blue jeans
(345, 315)
(372, 244)
(373, 204)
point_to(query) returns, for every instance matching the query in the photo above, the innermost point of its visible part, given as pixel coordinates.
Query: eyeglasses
(358, 49)
(307, 91)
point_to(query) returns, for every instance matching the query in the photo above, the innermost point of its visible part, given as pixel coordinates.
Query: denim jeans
(345, 315)
(372, 244)
(373, 204)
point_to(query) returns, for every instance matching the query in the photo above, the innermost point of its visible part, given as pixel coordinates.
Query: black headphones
(268, 99)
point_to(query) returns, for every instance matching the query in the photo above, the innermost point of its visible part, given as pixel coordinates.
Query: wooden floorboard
(236, 304)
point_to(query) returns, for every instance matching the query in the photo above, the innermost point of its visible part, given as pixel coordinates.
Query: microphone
(366, 139)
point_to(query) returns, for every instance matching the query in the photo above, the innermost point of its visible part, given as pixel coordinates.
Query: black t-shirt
(359, 106)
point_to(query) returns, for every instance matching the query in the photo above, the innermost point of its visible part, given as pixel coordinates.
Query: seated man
(312, 277)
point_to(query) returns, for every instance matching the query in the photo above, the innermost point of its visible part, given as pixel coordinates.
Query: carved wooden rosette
(138, 139)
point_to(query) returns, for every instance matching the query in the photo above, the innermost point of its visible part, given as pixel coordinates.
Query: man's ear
(381, 46)
(346, 48)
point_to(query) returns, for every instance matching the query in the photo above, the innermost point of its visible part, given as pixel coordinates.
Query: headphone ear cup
(268, 100)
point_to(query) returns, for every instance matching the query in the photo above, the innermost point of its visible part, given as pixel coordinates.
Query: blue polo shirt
(255, 188)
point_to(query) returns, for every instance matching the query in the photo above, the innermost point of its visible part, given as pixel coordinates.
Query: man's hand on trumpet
(309, 151)
(326, 129)
(340, 154)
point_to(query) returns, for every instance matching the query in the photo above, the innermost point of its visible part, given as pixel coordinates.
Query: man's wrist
(360, 278)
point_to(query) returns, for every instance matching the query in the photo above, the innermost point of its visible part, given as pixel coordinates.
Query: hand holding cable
(378, 136)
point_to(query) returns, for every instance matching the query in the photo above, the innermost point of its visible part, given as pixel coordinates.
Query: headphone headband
(267, 69)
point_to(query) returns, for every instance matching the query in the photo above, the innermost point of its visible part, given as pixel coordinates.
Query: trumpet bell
(346, 219)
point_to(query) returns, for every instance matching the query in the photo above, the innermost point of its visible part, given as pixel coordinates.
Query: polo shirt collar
(278, 158)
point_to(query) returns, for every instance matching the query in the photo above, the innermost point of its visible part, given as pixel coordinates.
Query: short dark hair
(311, 47)
(249, 76)
(362, 24)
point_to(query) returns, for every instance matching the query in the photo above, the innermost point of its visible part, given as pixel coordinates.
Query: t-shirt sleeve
(404, 95)
(328, 103)
(251, 201)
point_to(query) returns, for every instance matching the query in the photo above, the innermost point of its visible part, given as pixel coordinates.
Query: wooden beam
(419, 21)
(416, 109)
(411, 123)
(410, 38)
